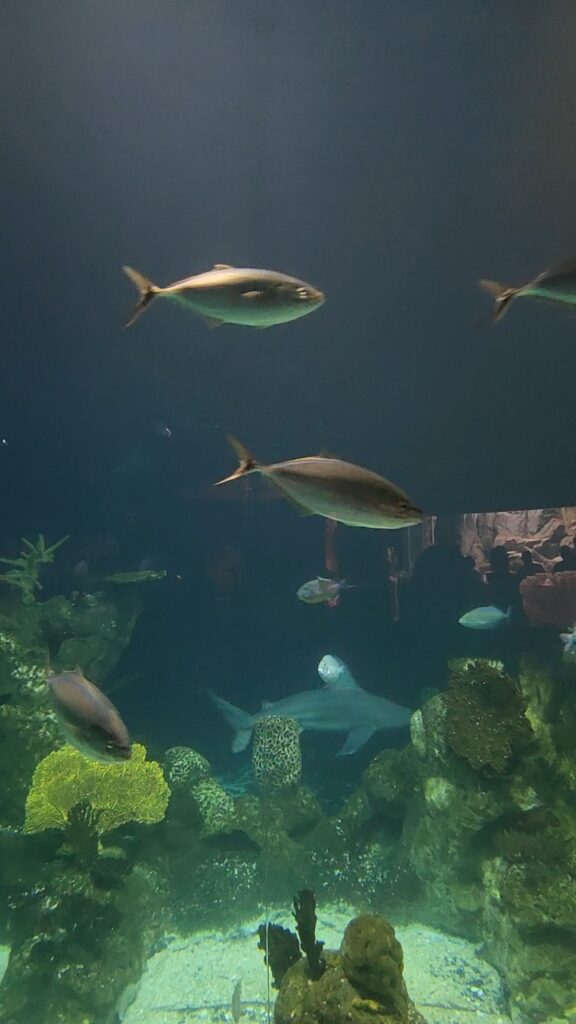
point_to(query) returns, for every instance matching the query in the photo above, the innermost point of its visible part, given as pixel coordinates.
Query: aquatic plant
(24, 573)
(116, 793)
(276, 756)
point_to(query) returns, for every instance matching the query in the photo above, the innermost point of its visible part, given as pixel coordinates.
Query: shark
(339, 705)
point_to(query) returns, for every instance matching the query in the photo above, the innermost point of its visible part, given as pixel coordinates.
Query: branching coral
(25, 570)
(117, 793)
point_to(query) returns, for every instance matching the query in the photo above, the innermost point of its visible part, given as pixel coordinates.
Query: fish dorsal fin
(345, 681)
(222, 266)
(266, 705)
(324, 454)
(324, 583)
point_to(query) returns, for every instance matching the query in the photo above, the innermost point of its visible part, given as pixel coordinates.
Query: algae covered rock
(363, 982)
(486, 721)
(372, 960)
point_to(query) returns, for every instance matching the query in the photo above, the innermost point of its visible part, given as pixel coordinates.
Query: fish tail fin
(146, 292)
(502, 295)
(240, 721)
(247, 462)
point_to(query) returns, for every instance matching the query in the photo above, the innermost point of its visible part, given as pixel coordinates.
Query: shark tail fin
(502, 295)
(240, 721)
(247, 462)
(146, 292)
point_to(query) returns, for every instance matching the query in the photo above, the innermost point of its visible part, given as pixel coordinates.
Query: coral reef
(363, 981)
(116, 793)
(276, 757)
(485, 720)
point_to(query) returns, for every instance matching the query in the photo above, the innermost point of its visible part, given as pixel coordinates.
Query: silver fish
(233, 295)
(486, 617)
(87, 718)
(236, 1006)
(322, 591)
(558, 285)
(341, 705)
(326, 486)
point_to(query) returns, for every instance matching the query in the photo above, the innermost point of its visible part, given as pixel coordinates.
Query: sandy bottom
(192, 980)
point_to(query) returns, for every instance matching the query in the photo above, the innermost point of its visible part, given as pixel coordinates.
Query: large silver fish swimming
(341, 705)
(323, 485)
(233, 295)
(557, 285)
(89, 721)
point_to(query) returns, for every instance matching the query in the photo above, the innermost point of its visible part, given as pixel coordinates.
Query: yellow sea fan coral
(132, 791)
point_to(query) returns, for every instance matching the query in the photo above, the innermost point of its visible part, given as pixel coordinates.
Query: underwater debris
(25, 571)
(276, 755)
(305, 915)
(141, 576)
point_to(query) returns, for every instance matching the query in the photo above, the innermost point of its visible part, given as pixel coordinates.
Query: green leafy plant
(25, 570)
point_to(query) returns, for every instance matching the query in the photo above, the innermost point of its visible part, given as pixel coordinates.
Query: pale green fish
(557, 285)
(233, 295)
(326, 486)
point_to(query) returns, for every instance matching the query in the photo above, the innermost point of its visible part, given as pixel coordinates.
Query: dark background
(390, 154)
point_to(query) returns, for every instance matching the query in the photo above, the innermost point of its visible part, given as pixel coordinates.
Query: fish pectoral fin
(222, 266)
(356, 738)
(212, 321)
(251, 296)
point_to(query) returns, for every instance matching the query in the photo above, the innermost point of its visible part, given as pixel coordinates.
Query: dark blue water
(391, 154)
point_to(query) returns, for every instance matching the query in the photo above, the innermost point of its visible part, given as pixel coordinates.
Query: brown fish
(233, 295)
(557, 285)
(87, 718)
(326, 486)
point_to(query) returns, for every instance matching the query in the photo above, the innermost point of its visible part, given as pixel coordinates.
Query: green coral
(185, 767)
(25, 570)
(216, 807)
(133, 791)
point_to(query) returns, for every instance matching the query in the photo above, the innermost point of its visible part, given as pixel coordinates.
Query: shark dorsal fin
(222, 266)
